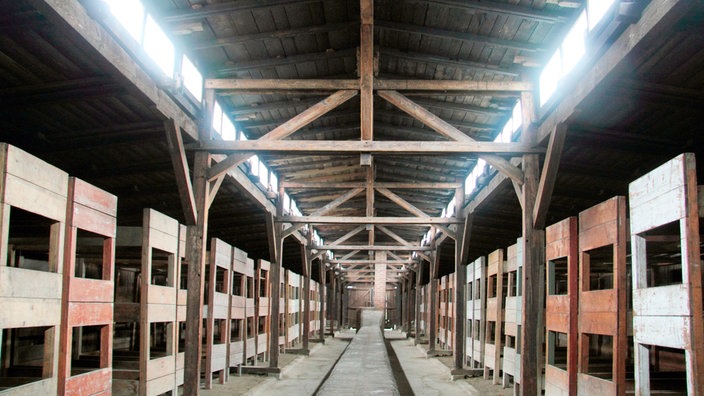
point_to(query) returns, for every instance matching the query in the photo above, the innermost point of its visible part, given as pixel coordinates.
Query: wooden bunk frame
(476, 312)
(157, 304)
(238, 307)
(561, 243)
(262, 301)
(251, 315)
(181, 294)
(603, 312)
(33, 185)
(441, 314)
(293, 309)
(513, 315)
(494, 314)
(217, 309)
(88, 301)
(669, 314)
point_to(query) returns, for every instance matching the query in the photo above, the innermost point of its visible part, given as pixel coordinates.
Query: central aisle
(364, 368)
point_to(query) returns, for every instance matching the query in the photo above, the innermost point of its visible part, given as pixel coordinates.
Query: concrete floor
(303, 375)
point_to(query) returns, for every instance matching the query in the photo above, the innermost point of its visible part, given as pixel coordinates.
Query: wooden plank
(366, 69)
(389, 185)
(437, 124)
(325, 209)
(286, 129)
(366, 220)
(179, 162)
(281, 84)
(335, 147)
(549, 175)
(407, 248)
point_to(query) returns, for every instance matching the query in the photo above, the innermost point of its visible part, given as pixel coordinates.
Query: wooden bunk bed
(494, 315)
(513, 315)
(238, 293)
(561, 256)
(85, 363)
(216, 312)
(476, 313)
(667, 295)
(33, 193)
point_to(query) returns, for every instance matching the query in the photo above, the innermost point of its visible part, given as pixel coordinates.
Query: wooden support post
(409, 302)
(533, 262)
(333, 302)
(366, 69)
(461, 257)
(402, 293)
(275, 252)
(323, 301)
(419, 300)
(433, 309)
(195, 252)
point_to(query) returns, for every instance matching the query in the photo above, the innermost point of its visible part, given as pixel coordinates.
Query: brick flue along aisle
(364, 368)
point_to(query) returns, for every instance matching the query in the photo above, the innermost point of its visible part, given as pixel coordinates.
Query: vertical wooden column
(305, 293)
(419, 300)
(275, 251)
(460, 300)
(196, 235)
(366, 68)
(402, 310)
(333, 302)
(433, 308)
(409, 302)
(323, 301)
(533, 260)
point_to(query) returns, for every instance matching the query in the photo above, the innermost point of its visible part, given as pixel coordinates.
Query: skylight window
(217, 117)
(597, 9)
(574, 46)
(130, 14)
(158, 46)
(254, 165)
(549, 78)
(274, 181)
(228, 129)
(263, 174)
(192, 79)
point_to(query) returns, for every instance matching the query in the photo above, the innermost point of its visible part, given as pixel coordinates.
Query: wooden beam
(372, 247)
(287, 60)
(451, 85)
(437, 124)
(337, 147)
(657, 18)
(208, 10)
(401, 202)
(370, 201)
(282, 84)
(510, 9)
(349, 235)
(393, 235)
(325, 209)
(286, 129)
(366, 69)
(549, 175)
(179, 162)
(272, 35)
(419, 301)
(367, 220)
(455, 35)
(196, 234)
(409, 185)
(532, 325)
(462, 64)
(72, 16)
(459, 302)
(275, 252)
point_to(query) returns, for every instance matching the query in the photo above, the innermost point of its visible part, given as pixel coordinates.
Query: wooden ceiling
(68, 104)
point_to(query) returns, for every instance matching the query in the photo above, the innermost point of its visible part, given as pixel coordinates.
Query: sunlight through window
(192, 79)
(574, 47)
(217, 117)
(228, 129)
(130, 14)
(549, 78)
(158, 46)
(597, 9)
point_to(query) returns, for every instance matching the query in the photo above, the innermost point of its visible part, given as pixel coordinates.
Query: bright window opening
(158, 46)
(549, 78)
(228, 129)
(192, 79)
(130, 14)
(597, 9)
(574, 46)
